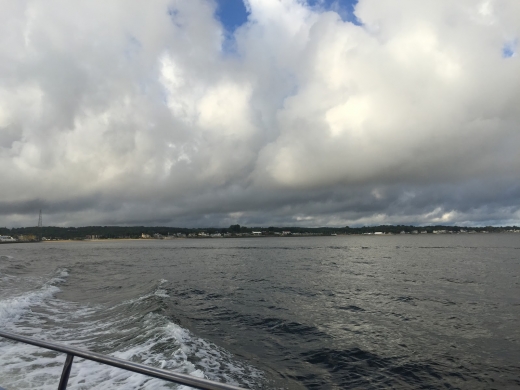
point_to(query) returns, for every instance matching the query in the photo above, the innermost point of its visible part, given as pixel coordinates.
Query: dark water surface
(346, 312)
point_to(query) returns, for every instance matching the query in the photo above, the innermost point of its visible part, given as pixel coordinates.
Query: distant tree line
(111, 232)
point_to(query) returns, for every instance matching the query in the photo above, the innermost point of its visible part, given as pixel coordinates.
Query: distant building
(144, 235)
(256, 233)
(27, 237)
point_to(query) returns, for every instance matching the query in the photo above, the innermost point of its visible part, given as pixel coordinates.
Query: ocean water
(345, 312)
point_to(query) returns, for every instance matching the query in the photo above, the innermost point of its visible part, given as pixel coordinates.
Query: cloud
(134, 113)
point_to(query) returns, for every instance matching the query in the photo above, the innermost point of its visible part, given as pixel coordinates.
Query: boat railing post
(66, 372)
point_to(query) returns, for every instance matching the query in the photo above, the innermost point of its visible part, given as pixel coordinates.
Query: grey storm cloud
(150, 113)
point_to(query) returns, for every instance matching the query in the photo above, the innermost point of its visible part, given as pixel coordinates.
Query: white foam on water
(161, 293)
(150, 339)
(11, 309)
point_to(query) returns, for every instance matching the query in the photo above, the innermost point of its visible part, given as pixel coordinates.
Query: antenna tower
(40, 224)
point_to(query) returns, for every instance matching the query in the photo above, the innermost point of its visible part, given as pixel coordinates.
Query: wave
(353, 368)
(130, 330)
(12, 308)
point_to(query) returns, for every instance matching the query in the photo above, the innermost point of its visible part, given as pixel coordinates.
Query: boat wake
(132, 330)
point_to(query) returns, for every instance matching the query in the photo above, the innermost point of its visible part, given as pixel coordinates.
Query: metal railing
(170, 376)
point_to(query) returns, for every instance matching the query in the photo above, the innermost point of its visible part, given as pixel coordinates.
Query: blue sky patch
(509, 49)
(233, 13)
(344, 8)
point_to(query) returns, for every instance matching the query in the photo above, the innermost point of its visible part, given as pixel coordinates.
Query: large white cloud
(133, 112)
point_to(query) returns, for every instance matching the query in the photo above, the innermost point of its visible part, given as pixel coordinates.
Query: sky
(201, 113)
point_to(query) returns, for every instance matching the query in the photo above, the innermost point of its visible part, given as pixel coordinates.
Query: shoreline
(245, 237)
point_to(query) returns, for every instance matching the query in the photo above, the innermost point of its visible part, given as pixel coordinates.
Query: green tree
(234, 228)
